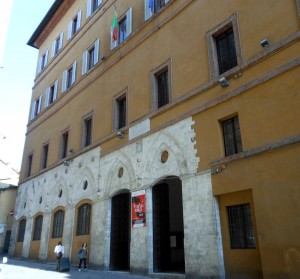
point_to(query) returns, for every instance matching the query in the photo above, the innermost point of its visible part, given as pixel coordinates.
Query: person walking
(59, 253)
(82, 255)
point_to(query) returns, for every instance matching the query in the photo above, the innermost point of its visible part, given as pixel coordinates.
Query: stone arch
(78, 191)
(113, 182)
(176, 164)
(53, 200)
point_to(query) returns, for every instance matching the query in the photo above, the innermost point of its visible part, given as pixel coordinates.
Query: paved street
(19, 269)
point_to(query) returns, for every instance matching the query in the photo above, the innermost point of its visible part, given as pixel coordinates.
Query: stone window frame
(153, 84)
(116, 98)
(231, 22)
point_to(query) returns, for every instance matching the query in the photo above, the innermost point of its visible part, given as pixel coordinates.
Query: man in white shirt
(59, 252)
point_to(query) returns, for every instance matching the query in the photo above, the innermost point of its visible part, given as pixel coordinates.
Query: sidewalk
(22, 269)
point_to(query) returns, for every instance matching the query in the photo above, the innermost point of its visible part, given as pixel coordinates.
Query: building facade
(165, 134)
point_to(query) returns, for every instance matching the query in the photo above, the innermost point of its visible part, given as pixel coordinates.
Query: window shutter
(55, 90)
(99, 2)
(70, 29)
(32, 110)
(61, 37)
(40, 104)
(53, 49)
(47, 97)
(128, 22)
(148, 11)
(74, 72)
(166, 1)
(64, 81)
(39, 65)
(89, 8)
(46, 57)
(84, 62)
(96, 56)
(78, 20)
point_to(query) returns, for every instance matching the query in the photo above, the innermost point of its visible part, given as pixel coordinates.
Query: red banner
(138, 209)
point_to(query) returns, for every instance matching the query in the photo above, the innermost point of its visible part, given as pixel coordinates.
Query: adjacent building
(166, 135)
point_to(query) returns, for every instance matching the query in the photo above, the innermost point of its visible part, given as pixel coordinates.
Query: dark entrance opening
(168, 230)
(120, 232)
(6, 242)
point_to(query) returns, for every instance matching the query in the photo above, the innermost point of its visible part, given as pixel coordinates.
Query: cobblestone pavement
(21, 269)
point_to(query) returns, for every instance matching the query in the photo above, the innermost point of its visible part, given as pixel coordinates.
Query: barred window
(58, 224)
(83, 219)
(38, 228)
(22, 228)
(241, 227)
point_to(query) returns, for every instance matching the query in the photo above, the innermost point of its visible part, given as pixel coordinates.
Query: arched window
(38, 224)
(22, 228)
(83, 219)
(58, 224)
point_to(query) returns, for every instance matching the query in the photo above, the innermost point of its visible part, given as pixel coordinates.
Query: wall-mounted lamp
(223, 82)
(120, 135)
(66, 163)
(264, 43)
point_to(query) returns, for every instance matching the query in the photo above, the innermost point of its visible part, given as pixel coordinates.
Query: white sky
(18, 21)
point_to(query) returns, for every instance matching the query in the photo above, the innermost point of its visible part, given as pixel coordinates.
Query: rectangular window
(226, 51)
(160, 85)
(29, 165)
(92, 6)
(87, 131)
(69, 77)
(58, 224)
(162, 88)
(74, 25)
(232, 136)
(90, 57)
(64, 144)
(57, 45)
(38, 224)
(120, 112)
(83, 219)
(241, 227)
(45, 152)
(124, 29)
(51, 94)
(36, 108)
(153, 6)
(43, 61)
(22, 229)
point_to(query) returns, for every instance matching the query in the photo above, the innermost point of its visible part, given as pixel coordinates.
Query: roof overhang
(44, 23)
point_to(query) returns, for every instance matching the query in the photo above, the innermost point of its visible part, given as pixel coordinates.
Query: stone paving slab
(22, 269)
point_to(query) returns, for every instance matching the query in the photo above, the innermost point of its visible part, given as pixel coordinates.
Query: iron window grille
(241, 227)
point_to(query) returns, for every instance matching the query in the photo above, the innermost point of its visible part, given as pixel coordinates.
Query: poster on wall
(138, 209)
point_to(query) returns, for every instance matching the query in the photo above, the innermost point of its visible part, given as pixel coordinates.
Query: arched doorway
(168, 229)
(120, 232)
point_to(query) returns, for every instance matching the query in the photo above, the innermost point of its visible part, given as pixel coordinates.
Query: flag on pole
(114, 27)
(151, 4)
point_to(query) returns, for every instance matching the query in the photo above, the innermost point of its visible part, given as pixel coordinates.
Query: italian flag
(114, 27)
